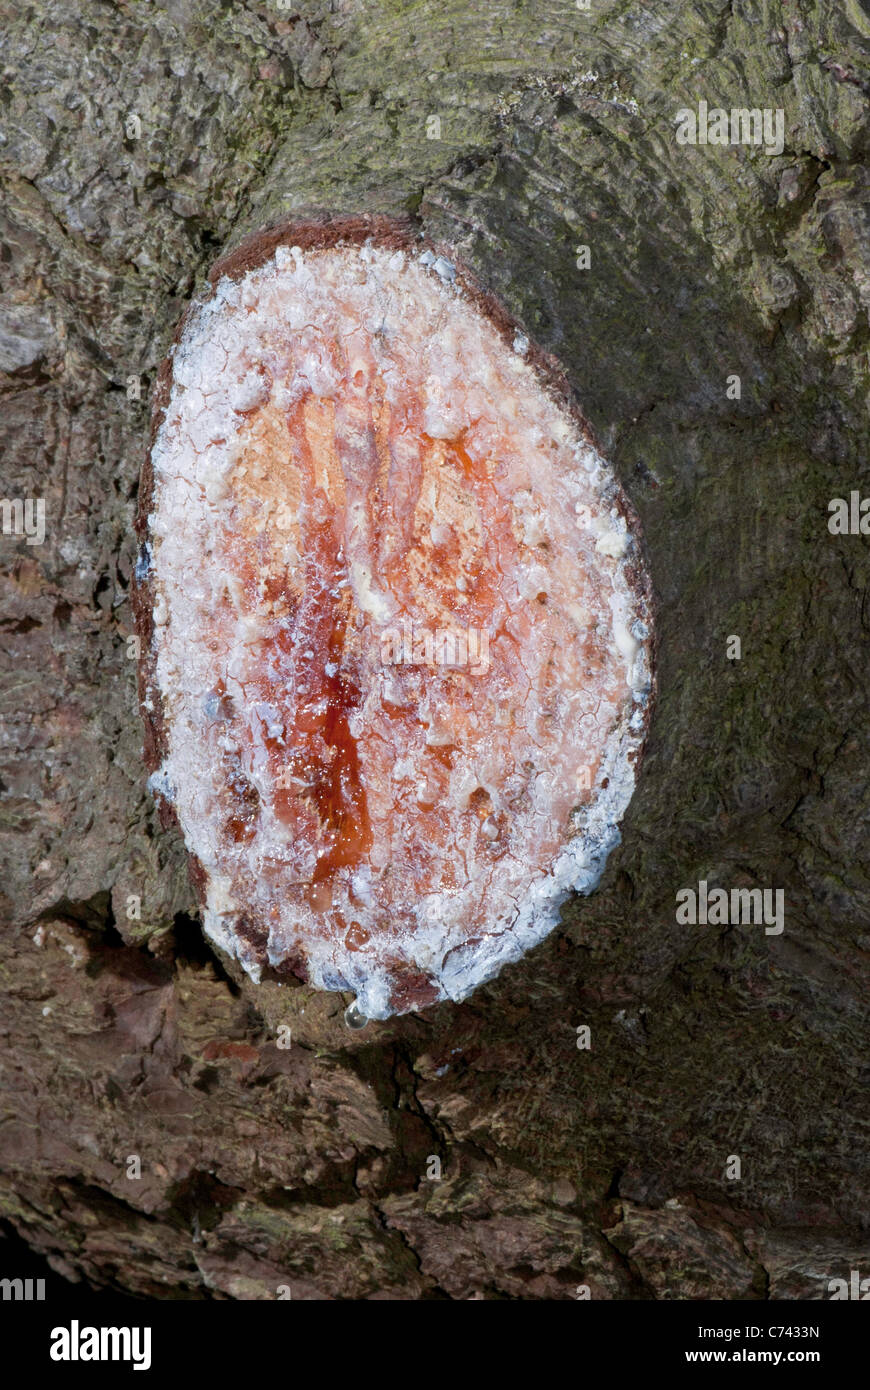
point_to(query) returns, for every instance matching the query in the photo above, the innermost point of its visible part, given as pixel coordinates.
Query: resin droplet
(396, 619)
(354, 1019)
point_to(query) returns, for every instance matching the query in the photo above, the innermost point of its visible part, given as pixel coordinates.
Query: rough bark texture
(306, 1166)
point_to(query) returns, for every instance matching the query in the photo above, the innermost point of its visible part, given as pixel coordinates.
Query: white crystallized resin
(401, 632)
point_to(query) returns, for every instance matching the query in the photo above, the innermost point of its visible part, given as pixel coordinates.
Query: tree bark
(139, 141)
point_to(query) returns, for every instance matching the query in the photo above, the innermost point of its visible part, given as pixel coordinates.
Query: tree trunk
(156, 1132)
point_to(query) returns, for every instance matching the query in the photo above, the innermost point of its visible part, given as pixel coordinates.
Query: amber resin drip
(399, 673)
(320, 747)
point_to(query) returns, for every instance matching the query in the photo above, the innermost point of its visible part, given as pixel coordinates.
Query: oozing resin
(397, 622)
